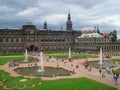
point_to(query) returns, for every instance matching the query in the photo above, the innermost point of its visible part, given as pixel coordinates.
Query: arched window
(19, 40)
(14, 39)
(4, 39)
(9, 39)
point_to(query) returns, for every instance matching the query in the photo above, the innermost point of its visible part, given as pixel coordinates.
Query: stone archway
(33, 48)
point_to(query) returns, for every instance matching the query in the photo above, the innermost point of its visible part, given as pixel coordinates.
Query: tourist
(35, 64)
(86, 66)
(31, 64)
(73, 70)
(115, 78)
(77, 66)
(10, 65)
(103, 75)
(90, 68)
(100, 71)
(108, 70)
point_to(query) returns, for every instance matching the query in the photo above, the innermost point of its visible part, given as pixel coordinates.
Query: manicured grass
(65, 55)
(62, 84)
(4, 60)
(14, 83)
(72, 84)
(117, 71)
(10, 54)
(55, 52)
(116, 60)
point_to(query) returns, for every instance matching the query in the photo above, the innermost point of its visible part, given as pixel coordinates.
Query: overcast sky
(85, 14)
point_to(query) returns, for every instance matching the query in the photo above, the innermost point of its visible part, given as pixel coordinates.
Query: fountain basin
(105, 64)
(48, 71)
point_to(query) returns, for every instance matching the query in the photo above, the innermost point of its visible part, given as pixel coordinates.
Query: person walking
(115, 78)
(100, 71)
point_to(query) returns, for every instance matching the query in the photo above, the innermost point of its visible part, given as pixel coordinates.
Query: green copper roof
(90, 35)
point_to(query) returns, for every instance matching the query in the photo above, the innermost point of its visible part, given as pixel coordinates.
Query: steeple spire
(69, 22)
(45, 25)
(69, 17)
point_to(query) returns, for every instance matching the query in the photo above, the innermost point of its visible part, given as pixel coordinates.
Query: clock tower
(69, 23)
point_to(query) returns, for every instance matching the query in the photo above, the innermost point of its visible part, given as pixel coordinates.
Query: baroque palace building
(92, 40)
(33, 39)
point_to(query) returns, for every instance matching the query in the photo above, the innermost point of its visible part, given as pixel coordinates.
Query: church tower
(45, 25)
(69, 23)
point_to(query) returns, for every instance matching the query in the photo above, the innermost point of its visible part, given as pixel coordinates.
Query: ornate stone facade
(17, 40)
(92, 40)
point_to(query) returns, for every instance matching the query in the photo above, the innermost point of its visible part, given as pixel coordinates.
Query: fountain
(69, 53)
(48, 71)
(41, 69)
(26, 56)
(101, 59)
(101, 64)
(70, 56)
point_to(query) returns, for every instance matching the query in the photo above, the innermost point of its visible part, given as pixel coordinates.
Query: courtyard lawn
(10, 54)
(116, 60)
(6, 59)
(117, 71)
(55, 52)
(73, 84)
(16, 83)
(21, 83)
(74, 55)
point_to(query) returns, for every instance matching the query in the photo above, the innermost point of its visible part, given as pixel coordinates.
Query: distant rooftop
(28, 23)
(88, 31)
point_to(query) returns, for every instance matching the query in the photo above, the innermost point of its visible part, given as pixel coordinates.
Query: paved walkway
(79, 72)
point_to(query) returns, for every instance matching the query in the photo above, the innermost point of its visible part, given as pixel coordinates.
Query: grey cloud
(84, 13)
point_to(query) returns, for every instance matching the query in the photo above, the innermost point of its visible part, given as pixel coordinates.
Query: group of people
(32, 64)
(13, 64)
(101, 73)
(115, 75)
